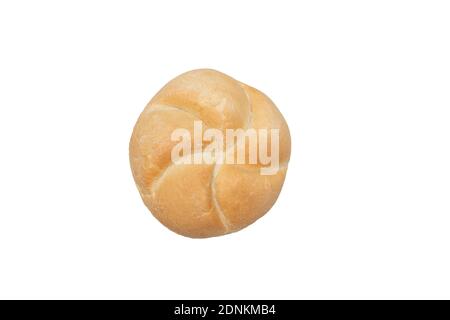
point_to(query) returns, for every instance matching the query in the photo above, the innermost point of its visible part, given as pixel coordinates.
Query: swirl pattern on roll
(208, 199)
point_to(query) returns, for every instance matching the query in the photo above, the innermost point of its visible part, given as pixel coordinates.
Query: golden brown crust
(205, 200)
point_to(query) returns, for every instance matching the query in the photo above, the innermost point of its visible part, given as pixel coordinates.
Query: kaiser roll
(216, 197)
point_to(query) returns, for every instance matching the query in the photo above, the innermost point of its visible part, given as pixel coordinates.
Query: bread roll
(214, 198)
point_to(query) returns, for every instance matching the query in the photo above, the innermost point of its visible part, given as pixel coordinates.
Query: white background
(364, 86)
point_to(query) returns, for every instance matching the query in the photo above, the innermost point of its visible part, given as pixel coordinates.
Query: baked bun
(215, 197)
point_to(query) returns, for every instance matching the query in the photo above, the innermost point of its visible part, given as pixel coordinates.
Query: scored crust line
(155, 185)
(164, 107)
(226, 223)
(158, 179)
(250, 112)
(223, 218)
(220, 213)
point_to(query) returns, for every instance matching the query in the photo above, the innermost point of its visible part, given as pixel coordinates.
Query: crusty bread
(205, 200)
